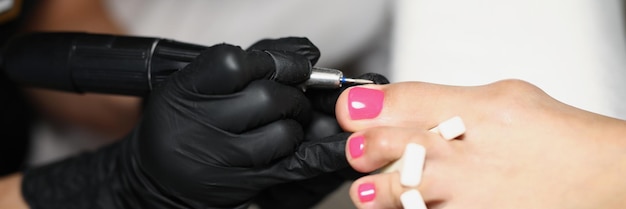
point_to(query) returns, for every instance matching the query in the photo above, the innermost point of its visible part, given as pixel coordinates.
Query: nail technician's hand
(307, 193)
(212, 136)
(522, 148)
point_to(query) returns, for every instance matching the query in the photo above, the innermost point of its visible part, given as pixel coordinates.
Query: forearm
(11, 192)
(73, 15)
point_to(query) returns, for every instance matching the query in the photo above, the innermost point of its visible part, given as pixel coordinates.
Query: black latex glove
(309, 192)
(212, 136)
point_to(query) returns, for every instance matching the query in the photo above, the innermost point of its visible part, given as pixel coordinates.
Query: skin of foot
(522, 148)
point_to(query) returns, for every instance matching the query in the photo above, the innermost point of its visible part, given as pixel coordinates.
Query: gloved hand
(212, 136)
(309, 192)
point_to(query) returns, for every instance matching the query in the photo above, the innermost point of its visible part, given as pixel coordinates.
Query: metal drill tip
(358, 81)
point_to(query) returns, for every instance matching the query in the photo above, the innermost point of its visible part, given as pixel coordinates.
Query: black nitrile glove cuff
(109, 177)
(82, 181)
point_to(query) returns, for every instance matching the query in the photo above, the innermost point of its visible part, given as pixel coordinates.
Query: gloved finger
(324, 125)
(299, 45)
(254, 148)
(224, 69)
(311, 159)
(261, 146)
(324, 100)
(321, 125)
(260, 103)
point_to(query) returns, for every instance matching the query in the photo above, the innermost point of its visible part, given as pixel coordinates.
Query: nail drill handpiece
(80, 62)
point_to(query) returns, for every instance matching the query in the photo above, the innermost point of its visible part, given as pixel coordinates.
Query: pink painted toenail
(364, 103)
(367, 192)
(355, 146)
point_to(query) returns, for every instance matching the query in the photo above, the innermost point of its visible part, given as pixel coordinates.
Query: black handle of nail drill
(82, 62)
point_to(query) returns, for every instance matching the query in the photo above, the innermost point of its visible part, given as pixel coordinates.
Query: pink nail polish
(367, 192)
(364, 103)
(355, 146)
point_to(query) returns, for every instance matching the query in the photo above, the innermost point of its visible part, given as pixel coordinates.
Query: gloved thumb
(220, 69)
(298, 45)
(224, 69)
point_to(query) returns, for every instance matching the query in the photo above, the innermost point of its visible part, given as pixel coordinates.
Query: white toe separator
(411, 171)
(412, 199)
(448, 129)
(411, 164)
(451, 128)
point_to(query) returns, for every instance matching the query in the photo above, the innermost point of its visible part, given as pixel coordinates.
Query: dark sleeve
(16, 114)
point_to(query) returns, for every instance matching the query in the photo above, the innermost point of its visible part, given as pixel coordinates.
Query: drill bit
(355, 80)
(327, 78)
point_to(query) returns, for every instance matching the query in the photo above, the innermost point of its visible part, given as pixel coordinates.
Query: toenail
(364, 103)
(367, 192)
(355, 146)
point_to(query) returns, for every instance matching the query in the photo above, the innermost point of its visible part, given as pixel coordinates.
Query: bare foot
(522, 148)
